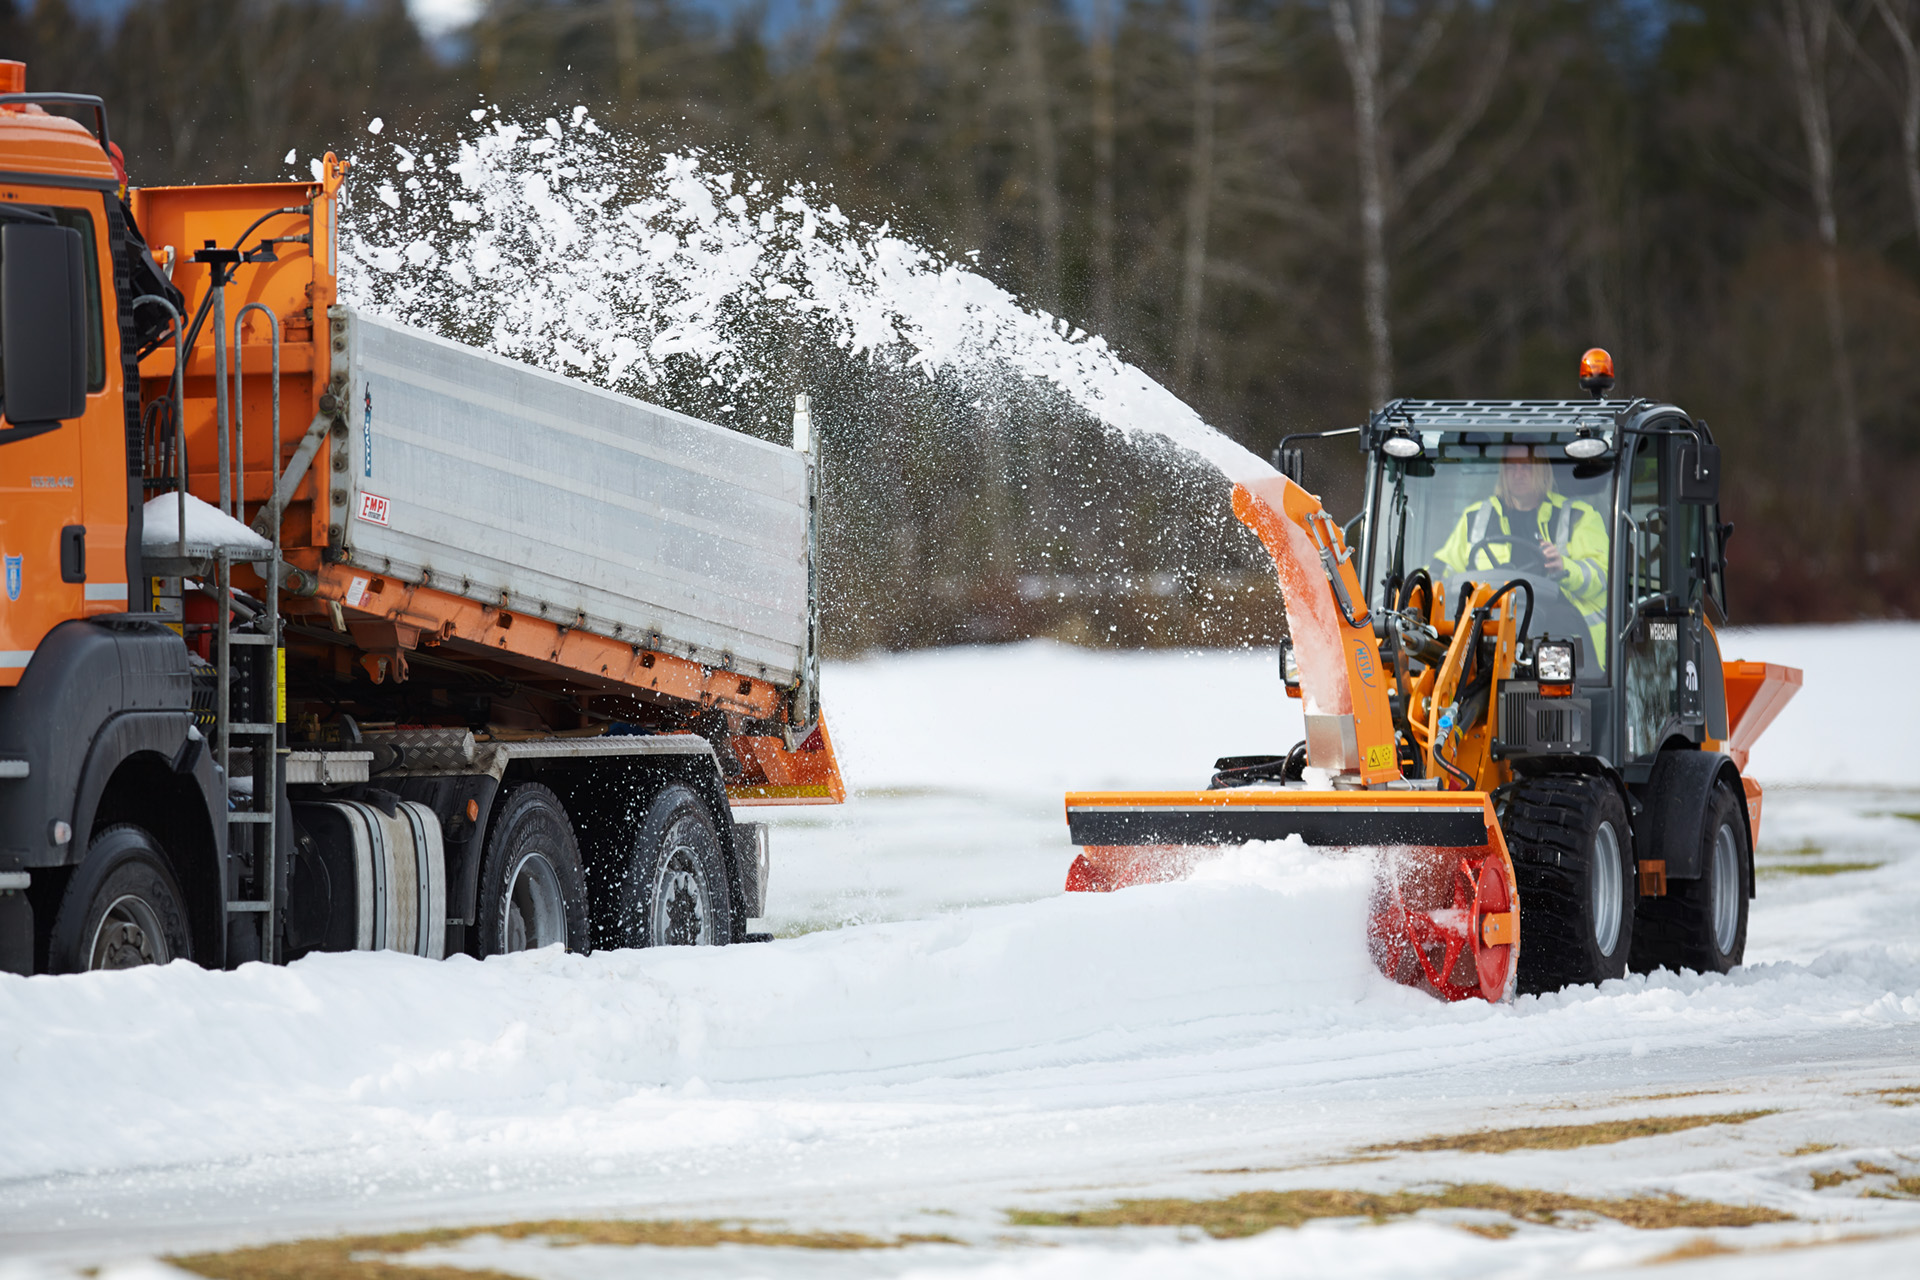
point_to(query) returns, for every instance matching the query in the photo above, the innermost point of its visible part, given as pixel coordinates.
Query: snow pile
(548, 1049)
(574, 267)
(208, 529)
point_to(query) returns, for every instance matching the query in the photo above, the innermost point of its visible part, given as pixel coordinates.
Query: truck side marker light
(59, 832)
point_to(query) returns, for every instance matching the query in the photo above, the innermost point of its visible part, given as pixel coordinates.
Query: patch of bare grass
(1905, 1096)
(1813, 1148)
(1817, 868)
(1565, 1137)
(1902, 1189)
(381, 1257)
(1833, 1178)
(1698, 1247)
(1252, 1212)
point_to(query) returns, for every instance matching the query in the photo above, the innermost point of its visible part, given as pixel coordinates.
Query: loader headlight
(1553, 662)
(1586, 445)
(1289, 667)
(1400, 445)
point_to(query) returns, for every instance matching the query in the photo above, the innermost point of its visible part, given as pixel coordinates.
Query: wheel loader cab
(1619, 553)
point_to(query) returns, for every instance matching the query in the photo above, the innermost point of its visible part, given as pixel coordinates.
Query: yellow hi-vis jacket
(1573, 526)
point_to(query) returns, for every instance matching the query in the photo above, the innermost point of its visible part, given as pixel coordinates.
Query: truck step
(248, 729)
(248, 637)
(260, 819)
(249, 906)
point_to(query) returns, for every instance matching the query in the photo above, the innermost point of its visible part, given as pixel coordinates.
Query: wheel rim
(681, 908)
(1606, 895)
(534, 912)
(129, 935)
(1726, 888)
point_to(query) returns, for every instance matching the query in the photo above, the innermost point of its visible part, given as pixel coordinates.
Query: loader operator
(1558, 544)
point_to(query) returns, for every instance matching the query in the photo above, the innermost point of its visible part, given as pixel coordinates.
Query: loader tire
(533, 892)
(122, 908)
(1702, 924)
(675, 893)
(1573, 862)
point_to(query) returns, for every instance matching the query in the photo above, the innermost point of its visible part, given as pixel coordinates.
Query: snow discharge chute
(1444, 915)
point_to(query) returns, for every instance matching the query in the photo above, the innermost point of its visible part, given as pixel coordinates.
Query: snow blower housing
(1513, 688)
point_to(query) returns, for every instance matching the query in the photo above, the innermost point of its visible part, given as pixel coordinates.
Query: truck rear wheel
(1702, 924)
(1573, 860)
(675, 893)
(533, 892)
(122, 909)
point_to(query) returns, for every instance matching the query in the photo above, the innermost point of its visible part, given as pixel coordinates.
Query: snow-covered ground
(940, 1036)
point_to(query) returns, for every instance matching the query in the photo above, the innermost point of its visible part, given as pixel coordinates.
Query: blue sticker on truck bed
(13, 577)
(366, 432)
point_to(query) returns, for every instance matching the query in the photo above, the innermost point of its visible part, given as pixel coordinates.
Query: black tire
(533, 892)
(1573, 859)
(1702, 924)
(122, 908)
(676, 891)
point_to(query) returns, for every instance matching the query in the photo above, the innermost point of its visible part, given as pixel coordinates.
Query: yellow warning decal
(1380, 757)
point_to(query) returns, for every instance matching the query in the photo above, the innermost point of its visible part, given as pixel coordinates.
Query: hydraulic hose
(1526, 619)
(1417, 579)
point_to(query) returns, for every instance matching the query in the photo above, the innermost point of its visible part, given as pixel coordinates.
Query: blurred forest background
(1286, 210)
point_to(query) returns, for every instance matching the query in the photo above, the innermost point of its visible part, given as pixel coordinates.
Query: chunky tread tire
(676, 890)
(125, 873)
(1676, 931)
(533, 890)
(1552, 826)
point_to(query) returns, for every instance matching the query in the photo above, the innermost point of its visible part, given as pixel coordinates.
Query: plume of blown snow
(572, 249)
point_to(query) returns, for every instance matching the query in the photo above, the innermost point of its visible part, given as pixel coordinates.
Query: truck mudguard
(109, 689)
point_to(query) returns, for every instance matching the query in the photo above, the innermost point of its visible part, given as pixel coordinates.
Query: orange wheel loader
(321, 633)
(1514, 697)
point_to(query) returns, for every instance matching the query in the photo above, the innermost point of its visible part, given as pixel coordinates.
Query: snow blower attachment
(1540, 760)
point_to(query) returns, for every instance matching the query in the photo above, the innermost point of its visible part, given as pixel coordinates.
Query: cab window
(82, 221)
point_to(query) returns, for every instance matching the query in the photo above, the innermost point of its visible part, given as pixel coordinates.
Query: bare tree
(1908, 96)
(1193, 266)
(1100, 55)
(1806, 26)
(1043, 144)
(1358, 26)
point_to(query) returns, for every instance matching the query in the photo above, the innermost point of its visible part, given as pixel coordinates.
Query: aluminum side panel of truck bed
(517, 487)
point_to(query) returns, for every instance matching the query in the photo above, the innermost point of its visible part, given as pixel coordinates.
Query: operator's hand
(1551, 554)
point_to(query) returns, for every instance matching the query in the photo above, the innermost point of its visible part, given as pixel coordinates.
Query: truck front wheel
(533, 892)
(122, 909)
(675, 892)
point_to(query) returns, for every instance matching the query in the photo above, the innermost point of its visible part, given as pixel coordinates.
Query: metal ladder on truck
(253, 816)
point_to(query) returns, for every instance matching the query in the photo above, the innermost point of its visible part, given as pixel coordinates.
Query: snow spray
(572, 249)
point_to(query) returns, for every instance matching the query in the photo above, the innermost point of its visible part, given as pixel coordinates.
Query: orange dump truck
(323, 633)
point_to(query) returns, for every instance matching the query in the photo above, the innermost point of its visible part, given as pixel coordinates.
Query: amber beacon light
(1596, 372)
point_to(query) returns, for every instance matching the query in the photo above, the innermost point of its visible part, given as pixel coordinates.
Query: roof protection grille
(1507, 415)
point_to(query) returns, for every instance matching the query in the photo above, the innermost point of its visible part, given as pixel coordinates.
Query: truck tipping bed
(514, 487)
